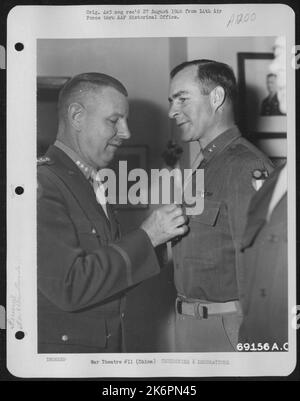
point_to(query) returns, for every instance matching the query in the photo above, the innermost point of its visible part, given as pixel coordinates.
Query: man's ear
(76, 115)
(217, 97)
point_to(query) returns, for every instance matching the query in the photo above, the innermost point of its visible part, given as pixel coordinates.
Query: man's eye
(113, 121)
(182, 99)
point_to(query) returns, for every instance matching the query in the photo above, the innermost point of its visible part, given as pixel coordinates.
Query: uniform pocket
(89, 237)
(201, 278)
(90, 242)
(209, 215)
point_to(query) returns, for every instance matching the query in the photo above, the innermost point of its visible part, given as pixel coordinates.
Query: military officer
(206, 259)
(264, 293)
(85, 266)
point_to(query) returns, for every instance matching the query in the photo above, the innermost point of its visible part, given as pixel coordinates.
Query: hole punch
(19, 46)
(20, 335)
(19, 190)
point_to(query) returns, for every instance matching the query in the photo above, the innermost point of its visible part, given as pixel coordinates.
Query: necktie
(195, 164)
(99, 190)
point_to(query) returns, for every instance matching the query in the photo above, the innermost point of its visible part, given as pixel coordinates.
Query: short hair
(81, 84)
(212, 73)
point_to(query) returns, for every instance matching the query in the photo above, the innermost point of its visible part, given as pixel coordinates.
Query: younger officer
(206, 260)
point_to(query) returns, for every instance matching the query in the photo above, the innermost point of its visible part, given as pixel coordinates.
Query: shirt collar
(86, 170)
(220, 143)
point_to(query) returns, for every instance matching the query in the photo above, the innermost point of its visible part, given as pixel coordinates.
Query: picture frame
(258, 108)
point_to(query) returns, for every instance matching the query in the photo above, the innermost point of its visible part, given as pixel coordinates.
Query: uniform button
(108, 336)
(257, 174)
(65, 337)
(122, 315)
(94, 231)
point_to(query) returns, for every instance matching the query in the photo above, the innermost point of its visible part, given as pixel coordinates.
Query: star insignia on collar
(44, 160)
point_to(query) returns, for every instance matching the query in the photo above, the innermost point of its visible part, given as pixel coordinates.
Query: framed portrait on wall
(259, 110)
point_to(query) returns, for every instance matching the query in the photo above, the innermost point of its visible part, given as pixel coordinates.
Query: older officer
(206, 263)
(84, 265)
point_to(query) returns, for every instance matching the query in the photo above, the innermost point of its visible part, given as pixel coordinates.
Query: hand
(165, 223)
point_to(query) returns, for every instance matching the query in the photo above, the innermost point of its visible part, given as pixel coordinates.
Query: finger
(182, 218)
(168, 208)
(178, 221)
(177, 212)
(180, 230)
(176, 206)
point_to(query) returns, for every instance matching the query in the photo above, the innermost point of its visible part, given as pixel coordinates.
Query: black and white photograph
(261, 93)
(114, 275)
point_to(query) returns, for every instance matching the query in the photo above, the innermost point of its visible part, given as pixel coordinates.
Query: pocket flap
(210, 213)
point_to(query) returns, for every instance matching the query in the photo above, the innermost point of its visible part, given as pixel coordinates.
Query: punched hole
(19, 190)
(20, 335)
(19, 46)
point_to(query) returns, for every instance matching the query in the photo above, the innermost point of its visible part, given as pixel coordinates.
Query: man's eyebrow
(116, 114)
(177, 94)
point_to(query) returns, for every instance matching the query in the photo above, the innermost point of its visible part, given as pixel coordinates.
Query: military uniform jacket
(206, 260)
(84, 266)
(270, 106)
(265, 270)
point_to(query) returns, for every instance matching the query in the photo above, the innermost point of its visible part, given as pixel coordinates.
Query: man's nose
(173, 111)
(123, 132)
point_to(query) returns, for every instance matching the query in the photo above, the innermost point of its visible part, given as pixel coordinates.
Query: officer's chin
(108, 157)
(186, 137)
(104, 161)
